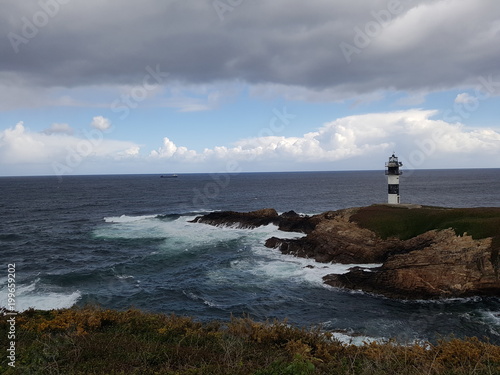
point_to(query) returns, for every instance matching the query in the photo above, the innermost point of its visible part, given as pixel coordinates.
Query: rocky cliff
(449, 266)
(425, 252)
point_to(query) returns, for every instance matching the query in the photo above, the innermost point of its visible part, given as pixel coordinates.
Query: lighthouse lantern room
(393, 174)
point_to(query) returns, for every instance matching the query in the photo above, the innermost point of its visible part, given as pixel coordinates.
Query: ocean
(125, 241)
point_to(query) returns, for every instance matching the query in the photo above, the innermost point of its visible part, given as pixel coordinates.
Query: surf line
(11, 313)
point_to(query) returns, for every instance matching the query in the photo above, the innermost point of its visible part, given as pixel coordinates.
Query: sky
(229, 86)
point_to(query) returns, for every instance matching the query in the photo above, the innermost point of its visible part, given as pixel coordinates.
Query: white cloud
(359, 141)
(16, 147)
(100, 123)
(464, 98)
(170, 150)
(167, 150)
(413, 134)
(19, 145)
(131, 151)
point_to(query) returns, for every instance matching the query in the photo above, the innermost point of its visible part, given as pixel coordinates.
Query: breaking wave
(39, 296)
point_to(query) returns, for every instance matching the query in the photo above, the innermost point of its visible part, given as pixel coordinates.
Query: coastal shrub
(91, 340)
(299, 366)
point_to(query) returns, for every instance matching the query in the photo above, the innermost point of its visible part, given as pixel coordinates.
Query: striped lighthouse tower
(393, 174)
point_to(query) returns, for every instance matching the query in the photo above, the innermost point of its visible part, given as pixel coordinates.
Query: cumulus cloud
(170, 150)
(101, 123)
(415, 134)
(167, 150)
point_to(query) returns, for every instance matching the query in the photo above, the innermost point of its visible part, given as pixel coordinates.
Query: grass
(403, 223)
(91, 340)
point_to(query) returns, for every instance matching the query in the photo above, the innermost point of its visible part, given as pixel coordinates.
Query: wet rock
(252, 219)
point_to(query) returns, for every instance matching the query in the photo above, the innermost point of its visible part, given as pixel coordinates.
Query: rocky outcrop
(450, 266)
(288, 221)
(336, 239)
(433, 264)
(252, 219)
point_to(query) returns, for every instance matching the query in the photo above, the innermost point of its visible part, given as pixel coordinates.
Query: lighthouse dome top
(393, 162)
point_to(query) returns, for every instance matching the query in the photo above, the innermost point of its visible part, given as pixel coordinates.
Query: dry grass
(96, 341)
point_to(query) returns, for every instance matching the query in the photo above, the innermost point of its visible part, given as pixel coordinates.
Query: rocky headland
(425, 252)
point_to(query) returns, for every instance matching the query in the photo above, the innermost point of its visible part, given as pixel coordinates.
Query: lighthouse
(393, 174)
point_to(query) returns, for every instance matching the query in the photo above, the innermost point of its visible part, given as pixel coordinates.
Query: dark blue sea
(126, 241)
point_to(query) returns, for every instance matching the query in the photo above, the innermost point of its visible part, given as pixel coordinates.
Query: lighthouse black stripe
(393, 170)
(393, 188)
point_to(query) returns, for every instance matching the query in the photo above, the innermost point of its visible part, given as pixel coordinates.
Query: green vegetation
(404, 223)
(95, 341)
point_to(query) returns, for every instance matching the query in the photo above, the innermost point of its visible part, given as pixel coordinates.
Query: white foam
(24, 289)
(356, 340)
(196, 297)
(47, 301)
(444, 301)
(27, 297)
(269, 229)
(127, 219)
(267, 264)
(135, 227)
(124, 277)
(361, 340)
(181, 234)
(491, 319)
(273, 264)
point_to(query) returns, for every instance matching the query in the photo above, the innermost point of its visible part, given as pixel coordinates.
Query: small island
(425, 252)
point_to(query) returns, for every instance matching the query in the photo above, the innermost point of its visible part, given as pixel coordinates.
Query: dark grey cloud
(359, 47)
